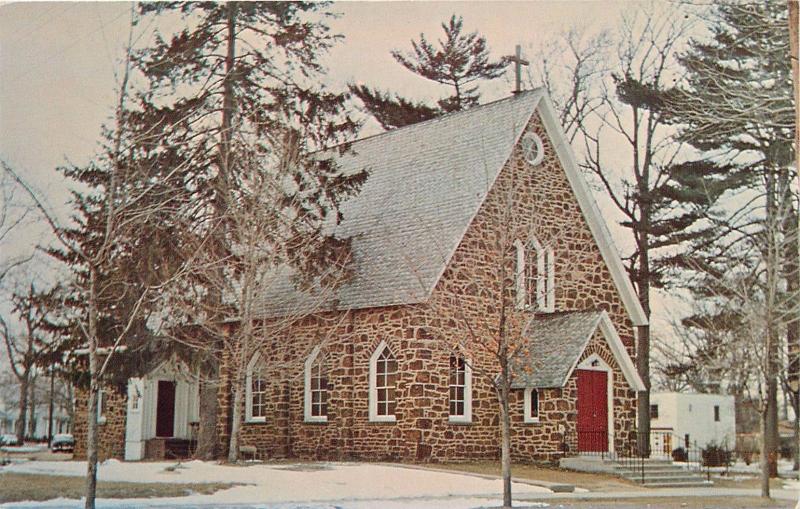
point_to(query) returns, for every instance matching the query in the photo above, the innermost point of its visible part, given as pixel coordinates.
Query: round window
(532, 148)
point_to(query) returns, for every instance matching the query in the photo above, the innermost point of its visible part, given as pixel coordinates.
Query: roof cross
(518, 63)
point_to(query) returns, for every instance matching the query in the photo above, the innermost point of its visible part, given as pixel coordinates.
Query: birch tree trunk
(764, 461)
(94, 389)
(505, 454)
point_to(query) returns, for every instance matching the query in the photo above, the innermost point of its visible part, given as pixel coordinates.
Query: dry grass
(677, 503)
(19, 487)
(752, 482)
(592, 482)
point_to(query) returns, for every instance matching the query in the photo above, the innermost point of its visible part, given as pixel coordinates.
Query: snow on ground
(740, 467)
(349, 485)
(23, 448)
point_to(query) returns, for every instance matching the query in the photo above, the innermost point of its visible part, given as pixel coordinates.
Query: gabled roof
(556, 342)
(426, 183)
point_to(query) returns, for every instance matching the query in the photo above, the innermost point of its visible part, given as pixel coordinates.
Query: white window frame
(528, 419)
(467, 417)
(248, 393)
(521, 290)
(101, 418)
(373, 389)
(530, 142)
(547, 293)
(307, 390)
(134, 397)
(545, 280)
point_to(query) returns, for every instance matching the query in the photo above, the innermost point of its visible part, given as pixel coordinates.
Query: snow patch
(290, 486)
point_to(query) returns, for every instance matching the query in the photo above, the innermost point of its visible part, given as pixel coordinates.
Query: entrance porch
(162, 413)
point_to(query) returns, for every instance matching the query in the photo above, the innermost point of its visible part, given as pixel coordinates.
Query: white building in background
(678, 419)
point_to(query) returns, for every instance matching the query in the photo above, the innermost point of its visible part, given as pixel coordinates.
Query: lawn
(19, 487)
(592, 482)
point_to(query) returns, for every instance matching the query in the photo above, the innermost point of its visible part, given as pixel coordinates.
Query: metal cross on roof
(518, 63)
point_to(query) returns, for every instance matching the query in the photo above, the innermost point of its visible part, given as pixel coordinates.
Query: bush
(716, 456)
(680, 454)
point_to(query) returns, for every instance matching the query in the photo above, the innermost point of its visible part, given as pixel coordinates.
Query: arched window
(531, 405)
(316, 388)
(256, 392)
(382, 384)
(460, 385)
(535, 276)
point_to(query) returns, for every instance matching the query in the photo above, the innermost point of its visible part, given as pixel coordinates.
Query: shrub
(680, 454)
(716, 456)
(747, 456)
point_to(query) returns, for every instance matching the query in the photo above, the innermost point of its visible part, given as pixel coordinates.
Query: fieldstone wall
(465, 304)
(110, 432)
(464, 310)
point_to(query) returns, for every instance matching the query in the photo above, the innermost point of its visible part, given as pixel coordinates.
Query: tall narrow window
(716, 413)
(547, 280)
(531, 402)
(256, 392)
(102, 398)
(316, 388)
(460, 385)
(383, 382)
(535, 276)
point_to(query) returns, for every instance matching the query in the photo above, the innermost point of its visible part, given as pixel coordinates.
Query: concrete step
(659, 473)
(699, 483)
(666, 478)
(653, 473)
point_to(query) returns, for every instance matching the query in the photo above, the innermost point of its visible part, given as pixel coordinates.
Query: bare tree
(572, 68)
(270, 243)
(25, 350)
(654, 187)
(487, 330)
(128, 200)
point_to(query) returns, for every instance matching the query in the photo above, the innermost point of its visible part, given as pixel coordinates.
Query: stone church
(424, 232)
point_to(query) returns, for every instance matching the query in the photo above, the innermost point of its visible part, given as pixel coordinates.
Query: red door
(592, 411)
(165, 409)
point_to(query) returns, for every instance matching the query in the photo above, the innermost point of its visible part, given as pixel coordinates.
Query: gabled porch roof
(556, 342)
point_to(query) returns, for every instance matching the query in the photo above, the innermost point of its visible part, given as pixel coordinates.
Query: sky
(58, 63)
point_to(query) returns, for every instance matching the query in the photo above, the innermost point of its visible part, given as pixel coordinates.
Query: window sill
(256, 420)
(383, 418)
(316, 420)
(101, 420)
(532, 420)
(459, 420)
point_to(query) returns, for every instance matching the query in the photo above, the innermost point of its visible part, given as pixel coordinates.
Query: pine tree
(737, 105)
(459, 61)
(664, 199)
(236, 89)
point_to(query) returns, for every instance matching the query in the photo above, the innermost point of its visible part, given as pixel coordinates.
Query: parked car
(62, 442)
(9, 439)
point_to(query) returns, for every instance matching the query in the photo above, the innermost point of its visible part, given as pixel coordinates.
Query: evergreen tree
(737, 106)
(663, 198)
(235, 89)
(458, 62)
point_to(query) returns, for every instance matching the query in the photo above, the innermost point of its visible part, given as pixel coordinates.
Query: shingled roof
(426, 182)
(556, 342)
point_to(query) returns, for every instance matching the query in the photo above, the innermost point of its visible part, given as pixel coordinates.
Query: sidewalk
(779, 494)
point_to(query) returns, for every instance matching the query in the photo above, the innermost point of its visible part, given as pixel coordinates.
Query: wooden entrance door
(592, 411)
(165, 409)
